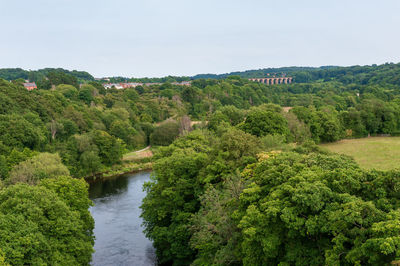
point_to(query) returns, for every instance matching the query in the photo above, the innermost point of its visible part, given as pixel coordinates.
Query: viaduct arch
(272, 81)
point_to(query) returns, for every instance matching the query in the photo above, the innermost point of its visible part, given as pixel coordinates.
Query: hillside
(37, 75)
(386, 73)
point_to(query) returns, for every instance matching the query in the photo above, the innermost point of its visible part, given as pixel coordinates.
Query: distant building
(183, 83)
(113, 85)
(135, 84)
(30, 86)
(131, 84)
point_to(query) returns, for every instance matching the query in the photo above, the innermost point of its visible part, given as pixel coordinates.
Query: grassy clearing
(381, 153)
(138, 155)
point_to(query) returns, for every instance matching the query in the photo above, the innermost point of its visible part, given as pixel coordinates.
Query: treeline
(90, 128)
(369, 74)
(240, 192)
(38, 75)
(388, 73)
(258, 73)
(49, 138)
(229, 197)
(169, 79)
(251, 187)
(331, 110)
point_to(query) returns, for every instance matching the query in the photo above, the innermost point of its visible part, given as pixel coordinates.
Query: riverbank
(132, 162)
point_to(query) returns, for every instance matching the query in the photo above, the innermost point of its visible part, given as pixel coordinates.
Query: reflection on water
(119, 234)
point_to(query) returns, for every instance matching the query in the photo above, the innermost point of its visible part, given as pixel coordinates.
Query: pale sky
(185, 37)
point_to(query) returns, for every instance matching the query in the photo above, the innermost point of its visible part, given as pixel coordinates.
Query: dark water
(119, 234)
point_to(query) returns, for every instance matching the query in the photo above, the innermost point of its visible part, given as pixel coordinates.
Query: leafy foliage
(325, 202)
(165, 133)
(262, 122)
(214, 198)
(41, 166)
(37, 227)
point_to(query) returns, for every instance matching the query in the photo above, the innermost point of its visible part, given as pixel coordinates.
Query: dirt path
(148, 147)
(140, 154)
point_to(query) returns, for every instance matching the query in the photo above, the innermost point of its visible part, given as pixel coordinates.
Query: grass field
(381, 153)
(138, 155)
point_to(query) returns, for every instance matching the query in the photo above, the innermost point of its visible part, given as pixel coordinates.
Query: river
(119, 234)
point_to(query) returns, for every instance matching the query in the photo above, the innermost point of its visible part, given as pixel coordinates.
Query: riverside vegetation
(247, 186)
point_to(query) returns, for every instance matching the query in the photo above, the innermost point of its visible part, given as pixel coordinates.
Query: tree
(38, 228)
(100, 88)
(172, 197)
(235, 149)
(59, 77)
(4, 169)
(260, 123)
(183, 172)
(41, 166)
(131, 94)
(86, 95)
(351, 120)
(81, 155)
(298, 129)
(110, 148)
(216, 119)
(216, 235)
(16, 131)
(74, 192)
(54, 127)
(67, 129)
(90, 162)
(190, 94)
(234, 114)
(68, 91)
(315, 209)
(165, 133)
(124, 131)
(331, 126)
(2, 259)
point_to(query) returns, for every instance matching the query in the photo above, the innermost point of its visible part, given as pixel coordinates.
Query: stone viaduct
(271, 81)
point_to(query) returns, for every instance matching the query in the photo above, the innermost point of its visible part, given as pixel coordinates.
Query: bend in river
(119, 235)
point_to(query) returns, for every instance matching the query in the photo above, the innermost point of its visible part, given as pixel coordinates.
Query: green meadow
(382, 153)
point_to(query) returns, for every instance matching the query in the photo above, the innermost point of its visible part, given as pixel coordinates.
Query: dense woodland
(246, 186)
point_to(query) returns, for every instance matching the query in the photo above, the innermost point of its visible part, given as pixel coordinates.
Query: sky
(154, 38)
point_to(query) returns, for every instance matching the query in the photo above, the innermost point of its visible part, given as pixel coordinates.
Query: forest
(245, 184)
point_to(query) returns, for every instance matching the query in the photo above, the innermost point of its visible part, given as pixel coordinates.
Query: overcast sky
(184, 37)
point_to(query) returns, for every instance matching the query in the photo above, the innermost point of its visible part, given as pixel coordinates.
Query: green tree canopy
(38, 228)
(165, 133)
(41, 166)
(317, 209)
(261, 122)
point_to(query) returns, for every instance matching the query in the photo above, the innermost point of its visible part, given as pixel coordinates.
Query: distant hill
(259, 73)
(388, 73)
(37, 75)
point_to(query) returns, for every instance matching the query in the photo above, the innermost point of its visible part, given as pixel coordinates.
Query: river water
(119, 234)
